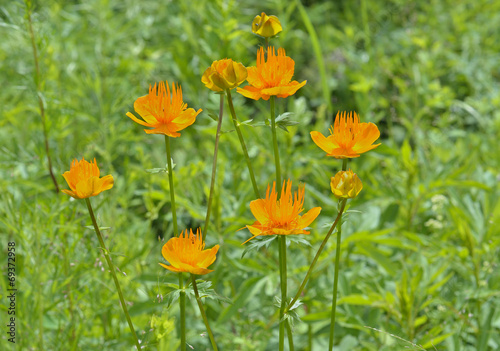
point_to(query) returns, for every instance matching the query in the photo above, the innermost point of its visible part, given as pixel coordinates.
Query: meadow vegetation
(419, 268)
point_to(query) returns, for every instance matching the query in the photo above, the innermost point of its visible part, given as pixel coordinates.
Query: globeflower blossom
(186, 253)
(164, 111)
(272, 77)
(281, 216)
(348, 137)
(266, 26)
(346, 185)
(83, 180)
(224, 74)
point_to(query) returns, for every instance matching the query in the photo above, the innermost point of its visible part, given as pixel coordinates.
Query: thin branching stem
(214, 167)
(113, 273)
(171, 183)
(203, 314)
(37, 79)
(242, 142)
(336, 276)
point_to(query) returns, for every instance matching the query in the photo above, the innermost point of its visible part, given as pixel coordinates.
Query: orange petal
(136, 120)
(309, 217)
(107, 182)
(70, 193)
(170, 268)
(258, 208)
(325, 144)
(251, 92)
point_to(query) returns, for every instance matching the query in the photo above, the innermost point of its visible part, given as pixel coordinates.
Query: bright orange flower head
(185, 253)
(271, 78)
(83, 180)
(266, 26)
(349, 138)
(281, 217)
(164, 112)
(224, 74)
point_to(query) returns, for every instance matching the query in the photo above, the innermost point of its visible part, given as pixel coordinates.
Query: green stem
(113, 274)
(283, 278)
(171, 183)
(203, 314)
(275, 147)
(290, 336)
(214, 167)
(182, 305)
(38, 92)
(336, 277)
(316, 257)
(242, 142)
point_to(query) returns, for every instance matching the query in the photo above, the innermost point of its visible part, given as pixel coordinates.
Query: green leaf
(257, 243)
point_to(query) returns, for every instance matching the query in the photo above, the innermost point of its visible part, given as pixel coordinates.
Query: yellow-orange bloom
(281, 217)
(224, 74)
(271, 78)
(349, 138)
(185, 253)
(346, 185)
(83, 180)
(164, 112)
(266, 26)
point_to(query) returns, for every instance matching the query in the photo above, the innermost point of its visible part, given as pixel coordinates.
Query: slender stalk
(275, 147)
(290, 336)
(214, 167)
(283, 278)
(203, 314)
(242, 142)
(113, 273)
(316, 257)
(38, 93)
(282, 239)
(171, 183)
(336, 277)
(182, 305)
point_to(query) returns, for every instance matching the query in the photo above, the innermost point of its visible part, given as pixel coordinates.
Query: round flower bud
(346, 185)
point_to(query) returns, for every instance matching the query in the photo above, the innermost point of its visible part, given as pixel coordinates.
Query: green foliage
(420, 249)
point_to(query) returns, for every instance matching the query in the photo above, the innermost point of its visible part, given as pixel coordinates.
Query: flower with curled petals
(272, 77)
(346, 185)
(186, 253)
(224, 74)
(163, 111)
(83, 180)
(281, 216)
(266, 26)
(349, 138)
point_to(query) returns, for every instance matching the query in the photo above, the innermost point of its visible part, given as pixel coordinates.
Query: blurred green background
(419, 265)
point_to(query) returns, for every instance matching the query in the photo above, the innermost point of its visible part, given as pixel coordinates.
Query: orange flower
(348, 138)
(83, 180)
(266, 26)
(185, 253)
(271, 78)
(281, 217)
(164, 112)
(224, 74)
(346, 185)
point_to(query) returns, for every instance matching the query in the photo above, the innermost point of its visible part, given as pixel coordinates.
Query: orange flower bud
(346, 185)
(266, 26)
(83, 180)
(224, 74)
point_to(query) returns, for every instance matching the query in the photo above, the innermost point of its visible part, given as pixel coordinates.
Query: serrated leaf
(156, 170)
(257, 243)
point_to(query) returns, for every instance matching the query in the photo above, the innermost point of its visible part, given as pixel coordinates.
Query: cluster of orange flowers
(163, 110)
